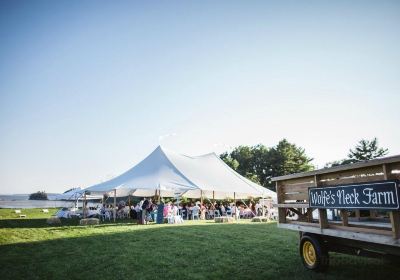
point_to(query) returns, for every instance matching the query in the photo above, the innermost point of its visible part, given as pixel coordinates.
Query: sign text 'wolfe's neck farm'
(373, 195)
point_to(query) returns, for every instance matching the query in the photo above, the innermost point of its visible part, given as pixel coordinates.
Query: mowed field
(30, 249)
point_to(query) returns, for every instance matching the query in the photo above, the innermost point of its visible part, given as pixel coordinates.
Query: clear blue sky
(88, 87)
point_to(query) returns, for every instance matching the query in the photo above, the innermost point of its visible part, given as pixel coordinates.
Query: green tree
(367, 150)
(233, 163)
(38, 196)
(287, 158)
(260, 163)
(364, 150)
(338, 162)
(241, 159)
(245, 157)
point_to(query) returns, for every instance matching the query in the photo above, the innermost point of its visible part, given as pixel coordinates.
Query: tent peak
(168, 151)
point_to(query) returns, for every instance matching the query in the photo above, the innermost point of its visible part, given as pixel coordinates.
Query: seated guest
(167, 209)
(103, 209)
(222, 212)
(174, 210)
(218, 208)
(258, 209)
(195, 211)
(185, 211)
(233, 208)
(228, 209)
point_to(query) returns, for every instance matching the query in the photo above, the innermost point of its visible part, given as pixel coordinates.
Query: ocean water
(35, 203)
(22, 201)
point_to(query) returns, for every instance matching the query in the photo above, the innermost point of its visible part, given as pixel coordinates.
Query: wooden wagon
(352, 209)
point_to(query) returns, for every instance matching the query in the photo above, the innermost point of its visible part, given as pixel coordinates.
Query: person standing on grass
(149, 210)
(145, 204)
(253, 209)
(146, 209)
(140, 212)
(160, 213)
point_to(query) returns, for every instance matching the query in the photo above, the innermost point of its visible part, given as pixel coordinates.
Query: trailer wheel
(313, 253)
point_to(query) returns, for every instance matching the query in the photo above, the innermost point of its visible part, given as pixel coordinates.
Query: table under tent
(164, 173)
(77, 198)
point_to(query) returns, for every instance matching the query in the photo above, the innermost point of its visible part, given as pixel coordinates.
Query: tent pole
(201, 197)
(84, 206)
(159, 194)
(129, 205)
(213, 197)
(115, 203)
(234, 200)
(263, 205)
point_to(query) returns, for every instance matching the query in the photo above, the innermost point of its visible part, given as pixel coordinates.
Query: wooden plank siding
(281, 210)
(292, 191)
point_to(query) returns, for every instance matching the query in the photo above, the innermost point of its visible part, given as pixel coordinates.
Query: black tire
(313, 253)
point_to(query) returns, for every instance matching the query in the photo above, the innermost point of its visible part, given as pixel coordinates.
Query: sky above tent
(89, 88)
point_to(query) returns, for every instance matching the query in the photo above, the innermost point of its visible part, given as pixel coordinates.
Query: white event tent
(169, 174)
(75, 194)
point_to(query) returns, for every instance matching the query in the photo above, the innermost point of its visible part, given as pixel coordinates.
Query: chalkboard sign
(371, 195)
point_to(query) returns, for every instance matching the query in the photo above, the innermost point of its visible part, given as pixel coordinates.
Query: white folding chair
(210, 214)
(183, 213)
(195, 213)
(171, 219)
(178, 219)
(107, 215)
(126, 213)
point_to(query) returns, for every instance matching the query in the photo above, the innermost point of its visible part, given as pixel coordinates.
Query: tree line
(260, 163)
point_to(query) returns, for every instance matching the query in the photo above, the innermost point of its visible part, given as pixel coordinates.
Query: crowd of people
(148, 210)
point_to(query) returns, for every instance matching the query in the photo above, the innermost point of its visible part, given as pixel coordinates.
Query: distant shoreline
(35, 203)
(22, 197)
(22, 201)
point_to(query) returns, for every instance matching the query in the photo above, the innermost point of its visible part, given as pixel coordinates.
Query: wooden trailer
(362, 200)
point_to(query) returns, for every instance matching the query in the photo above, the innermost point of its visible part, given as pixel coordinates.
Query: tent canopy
(171, 174)
(76, 194)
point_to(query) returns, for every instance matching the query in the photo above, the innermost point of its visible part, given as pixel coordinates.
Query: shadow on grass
(29, 223)
(41, 223)
(207, 251)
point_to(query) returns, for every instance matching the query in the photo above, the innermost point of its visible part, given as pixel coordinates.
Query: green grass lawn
(30, 249)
